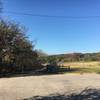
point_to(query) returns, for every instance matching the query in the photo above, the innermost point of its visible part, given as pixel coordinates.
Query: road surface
(18, 88)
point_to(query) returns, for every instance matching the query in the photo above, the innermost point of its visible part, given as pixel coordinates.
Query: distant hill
(71, 57)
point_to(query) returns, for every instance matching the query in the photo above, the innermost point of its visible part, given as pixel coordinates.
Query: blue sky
(58, 35)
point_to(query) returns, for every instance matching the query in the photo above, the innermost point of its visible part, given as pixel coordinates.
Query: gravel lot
(23, 87)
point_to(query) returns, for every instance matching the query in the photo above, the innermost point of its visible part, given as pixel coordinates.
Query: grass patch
(83, 67)
(86, 70)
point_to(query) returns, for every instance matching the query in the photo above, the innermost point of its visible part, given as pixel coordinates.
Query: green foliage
(15, 48)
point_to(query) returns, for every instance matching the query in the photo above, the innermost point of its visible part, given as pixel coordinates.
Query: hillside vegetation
(72, 57)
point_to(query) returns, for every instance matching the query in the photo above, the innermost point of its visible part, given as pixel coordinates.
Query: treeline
(16, 51)
(73, 57)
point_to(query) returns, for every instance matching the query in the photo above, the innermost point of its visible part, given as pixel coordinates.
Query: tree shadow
(44, 71)
(39, 72)
(86, 94)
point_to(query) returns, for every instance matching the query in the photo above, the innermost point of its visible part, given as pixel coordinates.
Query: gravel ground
(23, 87)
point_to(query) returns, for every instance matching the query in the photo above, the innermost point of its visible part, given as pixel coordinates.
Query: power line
(51, 16)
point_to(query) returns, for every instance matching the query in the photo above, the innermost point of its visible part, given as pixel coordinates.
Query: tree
(41, 53)
(24, 54)
(15, 48)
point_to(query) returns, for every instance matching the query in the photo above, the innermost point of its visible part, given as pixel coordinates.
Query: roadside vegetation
(16, 51)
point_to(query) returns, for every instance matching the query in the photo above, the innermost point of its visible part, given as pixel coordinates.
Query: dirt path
(22, 87)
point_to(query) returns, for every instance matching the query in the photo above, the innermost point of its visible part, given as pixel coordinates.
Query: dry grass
(82, 64)
(84, 67)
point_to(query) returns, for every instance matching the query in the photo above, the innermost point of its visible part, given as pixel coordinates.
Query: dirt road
(24, 87)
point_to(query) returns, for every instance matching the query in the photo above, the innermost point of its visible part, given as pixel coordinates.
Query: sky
(57, 35)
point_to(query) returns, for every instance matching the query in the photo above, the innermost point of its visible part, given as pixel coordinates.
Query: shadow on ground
(36, 73)
(86, 94)
(45, 72)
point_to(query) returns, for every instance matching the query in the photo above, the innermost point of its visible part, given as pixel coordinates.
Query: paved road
(24, 87)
